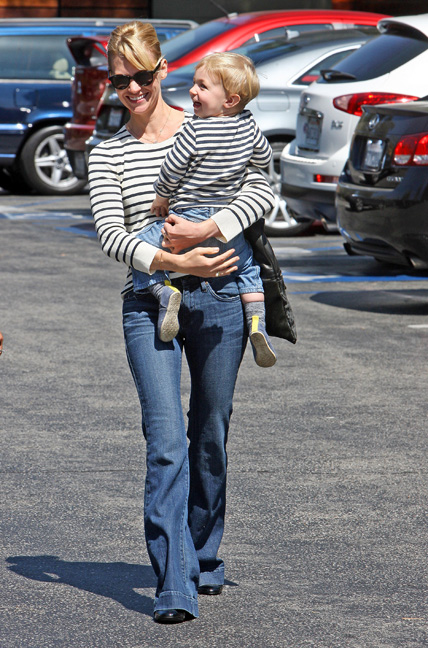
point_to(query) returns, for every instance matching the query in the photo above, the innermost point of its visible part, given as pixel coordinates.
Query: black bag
(279, 315)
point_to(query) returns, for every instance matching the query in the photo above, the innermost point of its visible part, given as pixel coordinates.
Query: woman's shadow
(117, 581)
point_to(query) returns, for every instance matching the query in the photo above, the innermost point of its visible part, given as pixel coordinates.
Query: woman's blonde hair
(137, 42)
(236, 73)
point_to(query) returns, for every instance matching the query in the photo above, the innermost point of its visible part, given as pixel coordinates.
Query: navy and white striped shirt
(122, 171)
(207, 163)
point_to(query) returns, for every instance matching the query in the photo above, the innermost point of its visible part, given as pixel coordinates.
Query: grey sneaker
(169, 305)
(263, 351)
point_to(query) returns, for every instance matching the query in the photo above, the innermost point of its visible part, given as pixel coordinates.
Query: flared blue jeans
(185, 489)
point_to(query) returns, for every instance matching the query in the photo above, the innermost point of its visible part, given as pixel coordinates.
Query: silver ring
(217, 274)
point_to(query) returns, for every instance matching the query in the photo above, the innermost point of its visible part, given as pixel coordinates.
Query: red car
(233, 31)
(217, 35)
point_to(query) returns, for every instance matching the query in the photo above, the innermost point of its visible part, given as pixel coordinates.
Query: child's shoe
(264, 354)
(169, 305)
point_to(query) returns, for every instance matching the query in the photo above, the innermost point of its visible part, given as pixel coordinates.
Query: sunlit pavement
(325, 542)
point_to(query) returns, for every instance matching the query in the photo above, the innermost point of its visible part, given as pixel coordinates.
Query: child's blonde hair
(236, 73)
(137, 42)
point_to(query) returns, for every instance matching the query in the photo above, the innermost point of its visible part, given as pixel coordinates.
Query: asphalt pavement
(326, 537)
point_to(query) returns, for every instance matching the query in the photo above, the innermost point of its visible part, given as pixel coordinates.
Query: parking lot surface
(326, 535)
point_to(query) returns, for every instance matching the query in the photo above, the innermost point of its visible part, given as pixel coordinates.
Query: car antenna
(222, 9)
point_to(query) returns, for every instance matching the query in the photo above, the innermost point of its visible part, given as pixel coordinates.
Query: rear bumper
(75, 136)
(315, 204)
(78, 163)
(305, 196)
(390, 225)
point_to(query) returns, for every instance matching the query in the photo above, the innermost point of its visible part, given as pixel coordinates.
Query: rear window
(189, 40)
(35, 57)
(311, 75)
(380, 56)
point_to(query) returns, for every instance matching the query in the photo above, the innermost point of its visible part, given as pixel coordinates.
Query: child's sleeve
(176, 163)
(262, 153)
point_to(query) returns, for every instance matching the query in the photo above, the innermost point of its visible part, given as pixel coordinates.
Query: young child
(201, 174)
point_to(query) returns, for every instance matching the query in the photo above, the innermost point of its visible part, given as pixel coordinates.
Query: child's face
(208, 96)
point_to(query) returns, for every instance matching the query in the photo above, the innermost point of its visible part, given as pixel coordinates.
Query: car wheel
(45, 165)
(280, 221)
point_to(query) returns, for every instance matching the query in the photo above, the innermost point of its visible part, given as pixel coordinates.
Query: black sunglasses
(143, 78)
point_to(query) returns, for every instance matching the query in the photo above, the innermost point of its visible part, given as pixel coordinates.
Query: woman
(185, 485)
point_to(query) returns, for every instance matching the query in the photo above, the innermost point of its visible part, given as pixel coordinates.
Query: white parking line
(13, 213)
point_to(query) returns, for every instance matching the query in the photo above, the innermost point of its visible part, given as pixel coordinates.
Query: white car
(389, 68)
(285, 66)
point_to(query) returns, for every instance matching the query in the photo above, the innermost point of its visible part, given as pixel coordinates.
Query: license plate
(312, 133)
(373, 154)
(115, 117)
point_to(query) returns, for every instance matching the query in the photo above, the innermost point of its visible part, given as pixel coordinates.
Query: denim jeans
(185, 490)
(247, 275)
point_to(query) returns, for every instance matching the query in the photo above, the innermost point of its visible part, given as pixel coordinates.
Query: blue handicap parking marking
(83, 229)
(339, 278)
(79, 221)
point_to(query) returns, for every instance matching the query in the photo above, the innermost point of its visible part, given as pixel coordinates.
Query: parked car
(36, 68)
(382, 195)
(285, 67)
(232, 31)
(89, 81)
(387, 69)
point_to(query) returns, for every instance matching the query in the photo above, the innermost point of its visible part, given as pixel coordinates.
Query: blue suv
(36, 68)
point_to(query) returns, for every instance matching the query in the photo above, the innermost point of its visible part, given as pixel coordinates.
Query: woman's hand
(180, 233)
(199, 262)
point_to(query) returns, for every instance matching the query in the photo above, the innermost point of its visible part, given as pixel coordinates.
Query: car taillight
(326, 178)
(352, 103)
(412, 150)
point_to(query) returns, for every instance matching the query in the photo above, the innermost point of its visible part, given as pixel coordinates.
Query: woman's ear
(232, 101)
(163, 72)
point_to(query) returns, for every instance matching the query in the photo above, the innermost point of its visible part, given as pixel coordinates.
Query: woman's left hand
(180, 233)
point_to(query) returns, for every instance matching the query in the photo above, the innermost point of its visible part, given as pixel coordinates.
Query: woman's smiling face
(136, 98)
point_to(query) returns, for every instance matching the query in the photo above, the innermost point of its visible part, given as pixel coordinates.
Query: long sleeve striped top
(122, 171)
(207, 163)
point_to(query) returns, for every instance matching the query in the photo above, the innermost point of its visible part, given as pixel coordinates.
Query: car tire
(45, 165)
(280, 221)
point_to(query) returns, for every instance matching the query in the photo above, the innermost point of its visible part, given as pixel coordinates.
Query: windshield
(193, 38)
(379, 56)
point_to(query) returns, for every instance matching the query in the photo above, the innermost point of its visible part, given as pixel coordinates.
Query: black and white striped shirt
(122, 171)
(207, 163)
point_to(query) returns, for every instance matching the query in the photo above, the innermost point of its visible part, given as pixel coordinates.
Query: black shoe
(170, 616)
(210, 590)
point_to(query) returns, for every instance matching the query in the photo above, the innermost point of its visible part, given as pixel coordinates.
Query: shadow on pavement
(113, 580)
(392, 302)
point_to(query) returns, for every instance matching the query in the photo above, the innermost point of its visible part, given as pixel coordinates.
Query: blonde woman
(185, 490)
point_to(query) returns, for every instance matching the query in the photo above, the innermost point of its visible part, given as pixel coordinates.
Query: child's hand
(160, 207)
